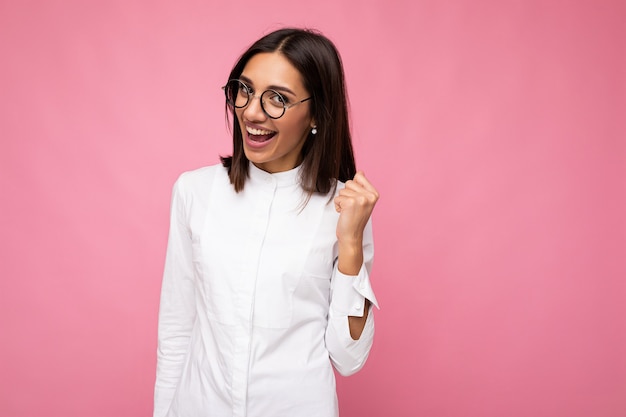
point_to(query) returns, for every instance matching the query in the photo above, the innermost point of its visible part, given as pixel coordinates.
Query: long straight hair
(326, 156)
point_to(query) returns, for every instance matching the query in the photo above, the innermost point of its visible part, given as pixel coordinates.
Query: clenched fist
(354, 204)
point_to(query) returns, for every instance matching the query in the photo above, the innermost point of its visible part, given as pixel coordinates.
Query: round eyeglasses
(273, 104)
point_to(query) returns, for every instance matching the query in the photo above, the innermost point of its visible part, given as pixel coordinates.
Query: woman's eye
(277, 99)
(244, 89)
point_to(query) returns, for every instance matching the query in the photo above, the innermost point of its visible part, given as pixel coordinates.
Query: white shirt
(253, 308)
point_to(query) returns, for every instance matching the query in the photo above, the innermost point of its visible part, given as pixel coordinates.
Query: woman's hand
(354, 204)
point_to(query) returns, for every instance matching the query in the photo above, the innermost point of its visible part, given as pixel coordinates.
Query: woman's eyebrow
(271, 87)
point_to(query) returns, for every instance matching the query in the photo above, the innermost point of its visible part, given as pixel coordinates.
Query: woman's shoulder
(200, 178)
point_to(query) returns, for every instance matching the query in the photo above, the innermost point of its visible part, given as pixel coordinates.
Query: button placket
(260, 205)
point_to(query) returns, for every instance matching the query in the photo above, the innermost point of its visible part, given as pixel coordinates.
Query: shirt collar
(281, 179)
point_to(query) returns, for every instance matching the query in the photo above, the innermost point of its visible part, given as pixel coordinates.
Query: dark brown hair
(327, 156)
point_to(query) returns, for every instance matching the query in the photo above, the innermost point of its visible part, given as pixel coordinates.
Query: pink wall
(495, 132)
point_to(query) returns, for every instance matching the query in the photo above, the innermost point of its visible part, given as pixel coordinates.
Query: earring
(314, 130)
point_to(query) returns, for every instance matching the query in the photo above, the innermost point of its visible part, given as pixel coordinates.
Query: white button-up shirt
(253, 308)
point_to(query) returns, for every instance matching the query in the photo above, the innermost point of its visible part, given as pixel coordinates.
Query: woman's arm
(177, 307)
(350, 330)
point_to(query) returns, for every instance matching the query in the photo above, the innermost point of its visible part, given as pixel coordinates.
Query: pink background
(495, 131)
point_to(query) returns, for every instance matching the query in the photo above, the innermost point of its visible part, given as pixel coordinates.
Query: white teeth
(258, 132)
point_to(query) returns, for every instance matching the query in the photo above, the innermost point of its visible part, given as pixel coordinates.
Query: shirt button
(357, 307)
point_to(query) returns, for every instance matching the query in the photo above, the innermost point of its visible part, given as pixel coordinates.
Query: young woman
(266, 281)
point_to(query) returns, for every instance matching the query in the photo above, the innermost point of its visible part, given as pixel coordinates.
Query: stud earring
(314, 130)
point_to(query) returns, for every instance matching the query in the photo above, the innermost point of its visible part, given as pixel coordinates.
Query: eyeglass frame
(250, 96)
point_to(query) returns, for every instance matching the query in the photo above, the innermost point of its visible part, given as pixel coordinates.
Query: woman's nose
(254, 110)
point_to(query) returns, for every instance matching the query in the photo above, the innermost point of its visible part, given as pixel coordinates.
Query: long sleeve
(348, 294)
(177, 307)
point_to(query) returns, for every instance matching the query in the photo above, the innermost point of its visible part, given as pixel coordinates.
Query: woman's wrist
(350, 257)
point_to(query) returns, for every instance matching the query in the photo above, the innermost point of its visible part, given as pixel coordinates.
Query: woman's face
(274, 145)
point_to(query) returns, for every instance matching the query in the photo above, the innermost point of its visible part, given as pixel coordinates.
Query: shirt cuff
(350, 292)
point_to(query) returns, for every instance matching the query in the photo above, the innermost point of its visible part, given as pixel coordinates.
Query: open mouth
(259, 135)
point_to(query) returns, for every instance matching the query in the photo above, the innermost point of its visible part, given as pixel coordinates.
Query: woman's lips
(259, 136)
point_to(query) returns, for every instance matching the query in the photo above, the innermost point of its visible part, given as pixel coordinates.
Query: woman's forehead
(268, 69)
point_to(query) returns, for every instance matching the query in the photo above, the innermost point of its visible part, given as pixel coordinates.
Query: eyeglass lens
(239, 94)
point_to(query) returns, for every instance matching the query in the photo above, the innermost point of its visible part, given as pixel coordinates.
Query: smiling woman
(266, 284)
